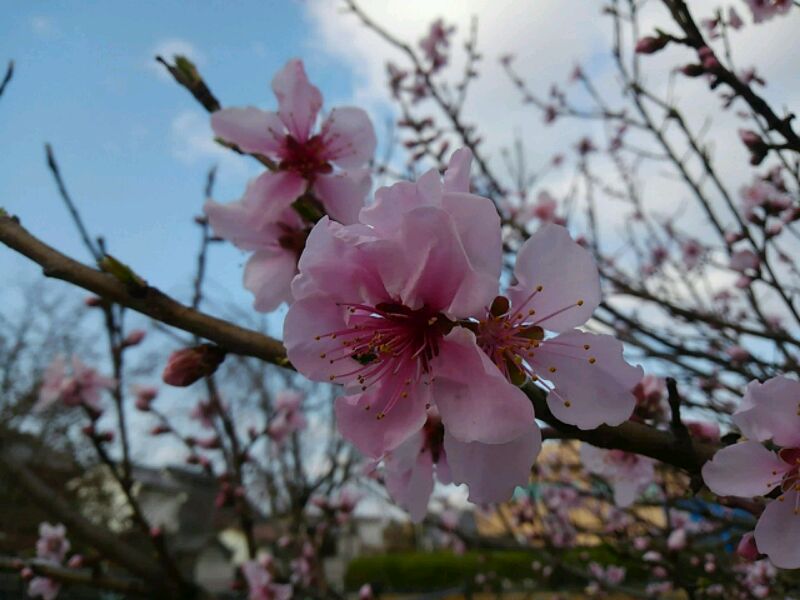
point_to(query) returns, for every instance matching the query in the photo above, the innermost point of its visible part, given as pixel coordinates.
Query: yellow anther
(592, 360)
(579, 303)
(552, 369)
(539, 288)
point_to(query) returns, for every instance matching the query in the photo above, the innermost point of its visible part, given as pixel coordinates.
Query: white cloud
(167, 49)
(43, 26)
(547, 39)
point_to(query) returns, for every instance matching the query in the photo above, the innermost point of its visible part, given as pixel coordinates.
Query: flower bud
(186, 366)
(747, 548)
(692, 70)
(134, 338)
(650, 44)
(75, 562)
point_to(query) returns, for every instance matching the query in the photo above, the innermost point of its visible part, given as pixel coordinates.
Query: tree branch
(631, 437)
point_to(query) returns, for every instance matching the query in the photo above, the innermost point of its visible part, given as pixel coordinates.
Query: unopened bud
(76, 562)
(747, 548)
(134, 338)
(186, 366)
(692, 70)
(93, 301)
(650, 44)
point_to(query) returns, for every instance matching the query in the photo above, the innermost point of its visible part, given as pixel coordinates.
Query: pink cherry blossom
(264, 221)
(288, 417)
(649, 393)
(436, 44)
(588, 381)
(744, 260)
(52, 544)
(377, 309)
(260, 583)
(43, 587)
(76, 386)
(491, 471)
(276, 240)
(763, 10)
(768, 412)
(628, 474)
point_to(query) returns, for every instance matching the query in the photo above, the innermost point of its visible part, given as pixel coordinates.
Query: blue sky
(124, 135)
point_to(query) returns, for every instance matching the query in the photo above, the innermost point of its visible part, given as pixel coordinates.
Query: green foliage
(411, 572)
(426, 571)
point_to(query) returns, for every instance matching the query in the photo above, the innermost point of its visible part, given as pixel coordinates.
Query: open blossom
(74, 386)
(491, 471)
(261, 585)
(557, 289)
(768, 412)
(44, 588)
(377, 306)
(764, 10)
(52, 544)
(627, 473)
(288, 416)
(264, 221)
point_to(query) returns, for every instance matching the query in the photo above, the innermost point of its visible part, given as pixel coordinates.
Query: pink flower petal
(298, 100)
(348, 137)
(308, 319)
(433, 269)
(476, 402)
(566, 273)
(251, 129)
(343, 194)
(334, 264)
(592, 385)
(373, 436)
(769, 411)
(746, 469)
(409, 476)
(268, 274)
(478, 225)
(456, 177)
(493, 471)
(778, 530)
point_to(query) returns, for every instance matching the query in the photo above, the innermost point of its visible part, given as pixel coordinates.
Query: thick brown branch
(146, 300)
(632, 437)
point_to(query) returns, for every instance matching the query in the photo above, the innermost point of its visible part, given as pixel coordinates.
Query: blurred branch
(7, 78)
(104, 541)
(76, 576)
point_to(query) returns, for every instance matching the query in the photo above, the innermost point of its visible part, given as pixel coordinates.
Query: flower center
(510, 339)
(433, 436)
(305, 158)
(393, 344)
